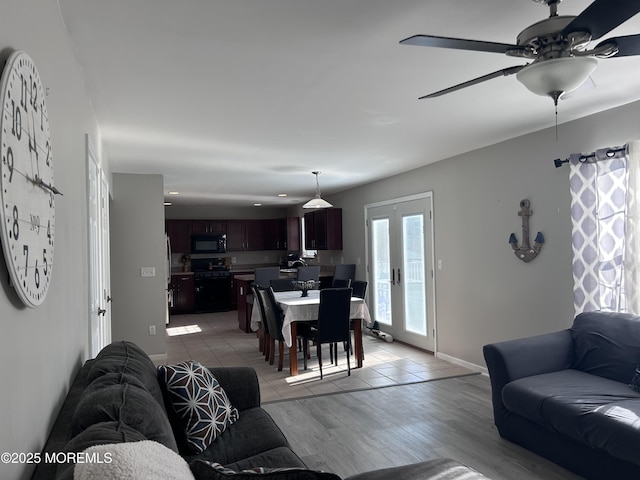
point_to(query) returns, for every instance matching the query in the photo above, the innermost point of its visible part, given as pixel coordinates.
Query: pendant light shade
(317, 201)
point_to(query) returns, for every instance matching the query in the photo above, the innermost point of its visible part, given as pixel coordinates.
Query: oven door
(213, 294)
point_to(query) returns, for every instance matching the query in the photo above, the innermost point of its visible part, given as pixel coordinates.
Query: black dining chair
(261, 277)
(263, 331)
(333, 324)
(343, 275)
(282, 284)
(273, 319)
(309, 272)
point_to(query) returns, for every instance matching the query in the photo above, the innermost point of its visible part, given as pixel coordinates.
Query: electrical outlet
(148, 271)
(152, 329)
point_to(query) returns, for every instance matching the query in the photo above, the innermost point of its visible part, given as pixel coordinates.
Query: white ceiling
(236, 101)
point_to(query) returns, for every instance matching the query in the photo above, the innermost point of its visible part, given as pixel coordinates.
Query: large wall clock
(27, 190)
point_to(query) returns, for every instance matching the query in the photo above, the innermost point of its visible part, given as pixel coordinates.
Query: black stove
(212, 281)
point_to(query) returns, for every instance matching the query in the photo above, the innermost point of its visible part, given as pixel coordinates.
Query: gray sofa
(568, 396)
(117, 398)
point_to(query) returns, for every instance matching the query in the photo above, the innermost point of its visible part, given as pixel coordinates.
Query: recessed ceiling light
(167, 204)
(174, 193)
(257, 204)
(282, 194)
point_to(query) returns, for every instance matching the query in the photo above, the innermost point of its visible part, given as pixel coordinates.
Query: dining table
(298, 308)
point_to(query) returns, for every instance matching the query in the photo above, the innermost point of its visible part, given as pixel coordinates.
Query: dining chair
(264, 340)
(261, 277)
(342, 272)
(333, 324)
(273, 319)
(309, 272)
(282, 284)
(341, 283)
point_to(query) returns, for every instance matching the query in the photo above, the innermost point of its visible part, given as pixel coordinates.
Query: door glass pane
(381, 270)
(415, 304)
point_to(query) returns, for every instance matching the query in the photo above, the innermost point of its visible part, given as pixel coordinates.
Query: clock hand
(37, 181)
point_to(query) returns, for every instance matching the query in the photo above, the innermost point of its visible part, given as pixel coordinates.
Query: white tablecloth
(300, 309)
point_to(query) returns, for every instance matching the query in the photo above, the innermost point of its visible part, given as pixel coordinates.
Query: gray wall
(137, 240)
(483, 292)
(41, 349)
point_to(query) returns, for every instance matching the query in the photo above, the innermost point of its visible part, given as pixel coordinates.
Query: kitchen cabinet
(245, 235)
(179, 232)
(183, 293)
(208, 226)
(323, 229)
(282, 234)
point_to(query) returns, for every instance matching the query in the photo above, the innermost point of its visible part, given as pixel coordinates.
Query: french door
(99, 271)
(400, 268)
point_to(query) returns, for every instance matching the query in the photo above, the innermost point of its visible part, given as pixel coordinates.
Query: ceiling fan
(558, 47)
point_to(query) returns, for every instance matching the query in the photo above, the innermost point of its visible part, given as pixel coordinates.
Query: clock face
(27, 193)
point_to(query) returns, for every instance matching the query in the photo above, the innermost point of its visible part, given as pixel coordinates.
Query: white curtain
(605, 187)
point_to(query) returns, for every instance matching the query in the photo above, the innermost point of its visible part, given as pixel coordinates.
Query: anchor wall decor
(525, 252)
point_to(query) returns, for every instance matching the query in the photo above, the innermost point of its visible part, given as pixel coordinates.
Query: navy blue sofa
(568, 395)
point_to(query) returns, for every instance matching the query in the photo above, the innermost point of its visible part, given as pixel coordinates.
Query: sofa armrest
(241, 385)
(525, 357)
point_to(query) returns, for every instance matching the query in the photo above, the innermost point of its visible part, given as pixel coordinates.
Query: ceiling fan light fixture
(557, 75)
(317, 201)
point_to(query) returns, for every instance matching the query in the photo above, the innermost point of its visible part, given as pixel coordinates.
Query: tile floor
(214, 339)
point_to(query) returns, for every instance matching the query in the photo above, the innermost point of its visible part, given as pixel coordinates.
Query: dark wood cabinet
(245, 235)
(208, 226)
(179, 232)
(323, 229)
(242, 235)
(183, 293)
(282, 234)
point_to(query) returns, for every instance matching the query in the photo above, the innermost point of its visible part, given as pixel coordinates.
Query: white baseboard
(159, 359)
(463, 363)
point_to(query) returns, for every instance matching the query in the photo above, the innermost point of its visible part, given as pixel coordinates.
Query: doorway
(400, 268)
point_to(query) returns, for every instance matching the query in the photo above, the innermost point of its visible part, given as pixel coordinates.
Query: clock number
(34, 93)
(9, 161)
(25, 251)
(16, 128)
(44, 260)
(36, 275)
(15, 230)
(23, 92)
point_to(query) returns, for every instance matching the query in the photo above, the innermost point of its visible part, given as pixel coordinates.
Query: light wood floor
(347, 433)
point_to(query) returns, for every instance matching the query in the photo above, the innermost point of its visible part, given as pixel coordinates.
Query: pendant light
(317, 201)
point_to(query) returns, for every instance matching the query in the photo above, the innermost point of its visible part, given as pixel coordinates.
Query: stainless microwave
(209, 243)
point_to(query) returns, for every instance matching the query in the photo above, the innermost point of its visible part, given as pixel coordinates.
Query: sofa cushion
(254, 433)
(96, 434)
(607, 344)
(204, 470)
(615, 428)
(200, 402)
(128, 358)
(578, 405)
(144, 459)
(128, 404)
(276, 457)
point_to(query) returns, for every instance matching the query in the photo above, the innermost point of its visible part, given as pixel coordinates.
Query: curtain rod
(611, 152)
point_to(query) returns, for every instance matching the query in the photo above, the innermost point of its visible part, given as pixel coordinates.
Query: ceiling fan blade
(500, 73)
(457, 43)
(628, 45)
(602, 16)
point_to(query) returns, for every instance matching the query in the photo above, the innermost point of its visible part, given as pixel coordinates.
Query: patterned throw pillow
(635, 381)
(205, 470)
(199, 401)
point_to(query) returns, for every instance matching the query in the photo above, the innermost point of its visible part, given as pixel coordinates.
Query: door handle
(393, 276)
(399, 277)
(101, 311)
